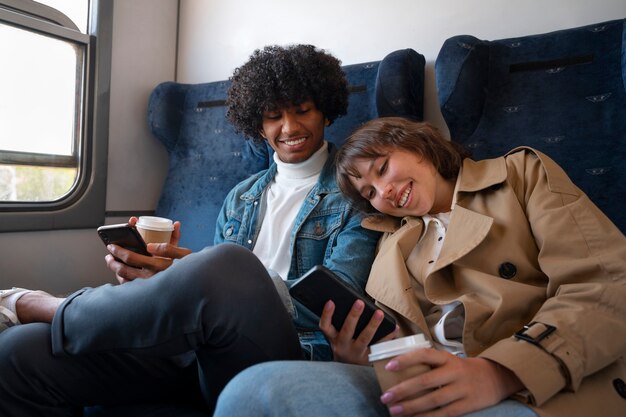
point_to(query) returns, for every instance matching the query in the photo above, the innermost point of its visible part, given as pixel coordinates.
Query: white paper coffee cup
(155, 229)
(382, 353)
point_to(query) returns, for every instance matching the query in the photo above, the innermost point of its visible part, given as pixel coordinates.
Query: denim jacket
(327, 231)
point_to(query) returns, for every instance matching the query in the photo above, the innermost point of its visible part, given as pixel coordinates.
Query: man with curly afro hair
(292, 216)
(279, 76)
(189, 326)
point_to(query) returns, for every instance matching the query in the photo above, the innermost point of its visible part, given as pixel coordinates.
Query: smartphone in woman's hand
(320, 284)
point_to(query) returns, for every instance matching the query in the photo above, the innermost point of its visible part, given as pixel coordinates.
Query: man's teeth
(404, 198)
(295, 141)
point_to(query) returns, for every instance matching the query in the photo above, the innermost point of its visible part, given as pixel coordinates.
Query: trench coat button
(507, 270)
(620, 387)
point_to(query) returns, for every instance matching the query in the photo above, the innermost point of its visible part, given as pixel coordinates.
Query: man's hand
(457, 385)
(345, 347)
(134, 265)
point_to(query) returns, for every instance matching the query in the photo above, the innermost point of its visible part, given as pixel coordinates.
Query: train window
(40, 115)
(49, 134)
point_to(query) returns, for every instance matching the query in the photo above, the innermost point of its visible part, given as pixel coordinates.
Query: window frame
(84, 206)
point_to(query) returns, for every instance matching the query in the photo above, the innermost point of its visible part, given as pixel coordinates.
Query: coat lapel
(390, 282)
(469, 230)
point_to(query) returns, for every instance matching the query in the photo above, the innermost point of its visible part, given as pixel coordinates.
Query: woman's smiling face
(402, 183)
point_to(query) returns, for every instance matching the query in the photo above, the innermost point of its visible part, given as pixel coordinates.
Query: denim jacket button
(319, 230)
(229, 231)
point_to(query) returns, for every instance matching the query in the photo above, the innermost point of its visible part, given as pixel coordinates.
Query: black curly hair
(279, 76)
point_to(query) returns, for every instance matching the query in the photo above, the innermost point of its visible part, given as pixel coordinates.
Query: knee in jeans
(24, 347)
(250, 389)
(218, 266)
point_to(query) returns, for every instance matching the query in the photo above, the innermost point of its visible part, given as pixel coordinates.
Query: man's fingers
(123, 272)
(167, 250)
(129, 257)
(175, 234)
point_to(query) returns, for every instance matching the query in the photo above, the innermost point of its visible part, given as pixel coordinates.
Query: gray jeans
(123, 344)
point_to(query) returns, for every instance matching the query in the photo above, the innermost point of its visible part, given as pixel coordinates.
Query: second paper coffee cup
(155, 229)
(382, 353)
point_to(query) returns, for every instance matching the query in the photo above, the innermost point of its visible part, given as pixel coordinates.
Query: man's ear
(262, 133)
(326, 122)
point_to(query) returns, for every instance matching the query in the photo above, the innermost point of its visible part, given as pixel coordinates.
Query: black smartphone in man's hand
(123, 235)
(320, 284)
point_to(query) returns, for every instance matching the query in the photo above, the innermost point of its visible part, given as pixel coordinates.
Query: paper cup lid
(155, 223)
(397, 347)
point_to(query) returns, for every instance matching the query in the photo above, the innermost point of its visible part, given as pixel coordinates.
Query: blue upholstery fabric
(207, 158)
(563, 93)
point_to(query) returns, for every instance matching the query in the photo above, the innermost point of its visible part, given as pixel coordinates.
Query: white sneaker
(8, 298)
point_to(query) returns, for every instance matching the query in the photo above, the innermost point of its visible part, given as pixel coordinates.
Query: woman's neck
(444, 196)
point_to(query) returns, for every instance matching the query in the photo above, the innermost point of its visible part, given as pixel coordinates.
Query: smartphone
(123, 235)
(320, 284)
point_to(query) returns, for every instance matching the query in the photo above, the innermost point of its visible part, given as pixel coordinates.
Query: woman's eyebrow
(370, 168)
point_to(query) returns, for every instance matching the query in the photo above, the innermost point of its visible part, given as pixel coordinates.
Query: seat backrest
(563, 93)
(207, 158)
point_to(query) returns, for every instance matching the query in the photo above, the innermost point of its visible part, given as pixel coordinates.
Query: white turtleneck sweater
(283, 200)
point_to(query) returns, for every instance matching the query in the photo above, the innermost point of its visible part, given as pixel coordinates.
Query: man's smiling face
(295, 132)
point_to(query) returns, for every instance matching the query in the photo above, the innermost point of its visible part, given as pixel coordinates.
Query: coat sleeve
(584, 257)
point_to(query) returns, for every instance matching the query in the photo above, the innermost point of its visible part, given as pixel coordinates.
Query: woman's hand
(134, 265)
(345, 347)
(458, 385)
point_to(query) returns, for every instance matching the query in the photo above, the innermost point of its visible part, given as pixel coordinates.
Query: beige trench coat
(524, 245)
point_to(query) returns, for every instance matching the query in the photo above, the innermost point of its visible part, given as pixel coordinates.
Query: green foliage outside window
(26, 183)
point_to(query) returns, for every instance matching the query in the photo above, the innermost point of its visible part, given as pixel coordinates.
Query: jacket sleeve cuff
(539, 371)
(57, 328)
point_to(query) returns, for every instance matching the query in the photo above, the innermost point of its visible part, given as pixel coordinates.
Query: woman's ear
(326, 122)
(262, 133)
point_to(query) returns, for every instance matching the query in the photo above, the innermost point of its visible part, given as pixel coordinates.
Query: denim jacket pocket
(321, 226)
(315, 236)
(230, 229)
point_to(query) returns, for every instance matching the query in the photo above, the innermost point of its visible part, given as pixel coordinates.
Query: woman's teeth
(405, 197)
(295, 141)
